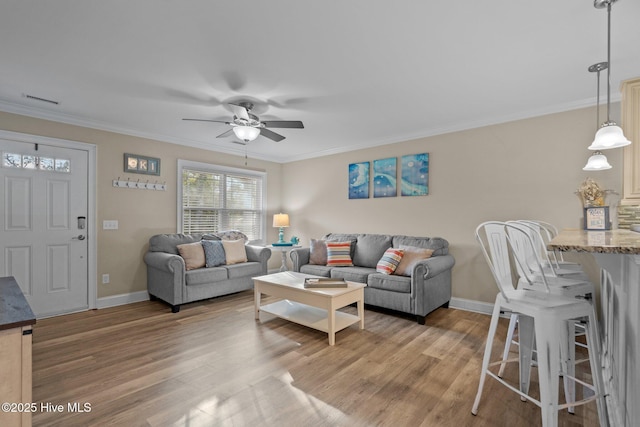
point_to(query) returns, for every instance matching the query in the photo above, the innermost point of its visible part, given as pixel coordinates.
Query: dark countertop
(14, 309)
(611, 241)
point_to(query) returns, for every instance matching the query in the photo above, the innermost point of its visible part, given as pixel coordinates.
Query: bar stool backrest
(523, 245)
(492, 237)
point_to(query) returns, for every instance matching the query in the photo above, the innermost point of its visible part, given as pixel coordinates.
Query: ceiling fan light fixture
(597, 162)
(246, 133)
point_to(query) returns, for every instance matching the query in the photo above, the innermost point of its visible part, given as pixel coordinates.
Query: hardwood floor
(212, 364)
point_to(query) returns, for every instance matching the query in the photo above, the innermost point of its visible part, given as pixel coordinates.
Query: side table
(284, 250)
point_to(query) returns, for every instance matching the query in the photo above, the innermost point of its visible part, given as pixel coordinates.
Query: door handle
(80, 237)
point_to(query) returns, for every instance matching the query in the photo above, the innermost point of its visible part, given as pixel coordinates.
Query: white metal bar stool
(544, 316)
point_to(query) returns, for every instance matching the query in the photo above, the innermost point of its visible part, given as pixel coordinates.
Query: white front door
(43, 224)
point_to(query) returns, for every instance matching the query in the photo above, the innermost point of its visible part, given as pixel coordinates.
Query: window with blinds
(218, 199)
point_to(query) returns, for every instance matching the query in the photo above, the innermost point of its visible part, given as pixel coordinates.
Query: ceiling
(357, 73)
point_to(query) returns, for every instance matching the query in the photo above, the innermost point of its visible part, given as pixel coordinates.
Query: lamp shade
(281, 220)
(597, 162)
(246, 133)
(609, 136)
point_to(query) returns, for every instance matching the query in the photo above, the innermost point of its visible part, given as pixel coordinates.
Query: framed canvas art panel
(385, 177)
(415, 175)
(134, 163)
(359, 180)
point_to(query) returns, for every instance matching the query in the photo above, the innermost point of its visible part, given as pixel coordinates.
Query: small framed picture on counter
(597, 218)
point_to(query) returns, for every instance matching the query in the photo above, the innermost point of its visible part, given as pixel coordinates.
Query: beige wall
(140, 213)
(523, 169)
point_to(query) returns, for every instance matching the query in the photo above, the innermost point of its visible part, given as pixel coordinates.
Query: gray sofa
(428, 287)
(168, 279)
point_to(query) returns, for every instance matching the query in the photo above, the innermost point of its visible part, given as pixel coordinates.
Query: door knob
(80, 237)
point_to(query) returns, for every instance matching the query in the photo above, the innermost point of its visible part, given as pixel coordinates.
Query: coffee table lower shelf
(309, 316)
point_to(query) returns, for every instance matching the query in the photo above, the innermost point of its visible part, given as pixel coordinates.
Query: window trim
(209, 167)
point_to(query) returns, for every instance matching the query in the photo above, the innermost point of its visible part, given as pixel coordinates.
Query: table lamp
(281, 220)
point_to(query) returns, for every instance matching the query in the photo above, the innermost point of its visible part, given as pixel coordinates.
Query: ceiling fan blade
(240, 111)
(271, 135)
(225, 134)
(206, 120)
(293, 124)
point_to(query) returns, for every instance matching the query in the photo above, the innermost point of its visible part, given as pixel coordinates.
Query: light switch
(111, 224)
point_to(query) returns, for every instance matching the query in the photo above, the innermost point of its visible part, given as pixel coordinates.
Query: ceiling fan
(248, 127)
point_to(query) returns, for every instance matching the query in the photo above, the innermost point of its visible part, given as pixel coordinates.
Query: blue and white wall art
(359, 180)
(415, 175)
(385, 177)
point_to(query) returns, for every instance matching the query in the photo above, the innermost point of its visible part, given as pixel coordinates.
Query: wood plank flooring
(212, 364)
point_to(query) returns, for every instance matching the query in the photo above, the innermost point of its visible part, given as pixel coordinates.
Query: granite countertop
(611, 241)
(14, 309)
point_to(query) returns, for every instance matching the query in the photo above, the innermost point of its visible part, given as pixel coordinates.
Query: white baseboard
(122, 299)
(471, 305)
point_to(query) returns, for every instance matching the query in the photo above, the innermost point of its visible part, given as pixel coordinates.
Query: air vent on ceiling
(37, 98)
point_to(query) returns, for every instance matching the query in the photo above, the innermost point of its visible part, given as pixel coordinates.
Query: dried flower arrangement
(591, 194)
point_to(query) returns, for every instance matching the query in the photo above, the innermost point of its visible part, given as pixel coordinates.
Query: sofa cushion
(231, 235)
(213, 253)
(203, 276)
(235, 251)
(339, 254)
(193, 255)
(169, 242)
(370, 248)
(318, 252)
(336, 237)
(390, 282)
(411, 257)
(439, 245)
(316, 270)
(353, 274)
(389, 261)
(244, 269)
(210, 236)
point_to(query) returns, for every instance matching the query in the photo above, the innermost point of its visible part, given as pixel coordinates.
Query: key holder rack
(140, 185)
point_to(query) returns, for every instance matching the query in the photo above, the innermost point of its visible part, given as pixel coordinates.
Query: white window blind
(217, 199)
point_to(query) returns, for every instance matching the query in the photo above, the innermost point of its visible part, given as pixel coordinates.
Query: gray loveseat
(169, 280)
(427, 288)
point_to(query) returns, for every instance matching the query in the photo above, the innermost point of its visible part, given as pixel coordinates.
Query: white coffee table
(315, 308)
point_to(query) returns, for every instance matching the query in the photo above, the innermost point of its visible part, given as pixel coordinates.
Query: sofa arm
(166, 277)
(299, 257)
(431, 267)
(259, 254)
(163, 261)
(431, 284)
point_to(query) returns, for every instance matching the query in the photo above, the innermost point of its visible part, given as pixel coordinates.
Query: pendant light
(609, 135)
(598, 161)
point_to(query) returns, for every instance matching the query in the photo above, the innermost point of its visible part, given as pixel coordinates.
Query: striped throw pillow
(389, 261)
(339, 254)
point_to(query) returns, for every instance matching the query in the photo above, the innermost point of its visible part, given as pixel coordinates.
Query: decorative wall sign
(597, 218)
(415, 175)
(385, 177)
(134, 163)
(359, 180)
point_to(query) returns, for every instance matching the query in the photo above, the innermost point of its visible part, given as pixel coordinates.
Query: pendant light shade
(609, 136)
(246, 133)
(597, 162)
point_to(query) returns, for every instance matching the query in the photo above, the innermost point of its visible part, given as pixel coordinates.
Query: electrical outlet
(105, 278)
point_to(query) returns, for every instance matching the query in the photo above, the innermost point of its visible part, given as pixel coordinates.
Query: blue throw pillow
(214, 253)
